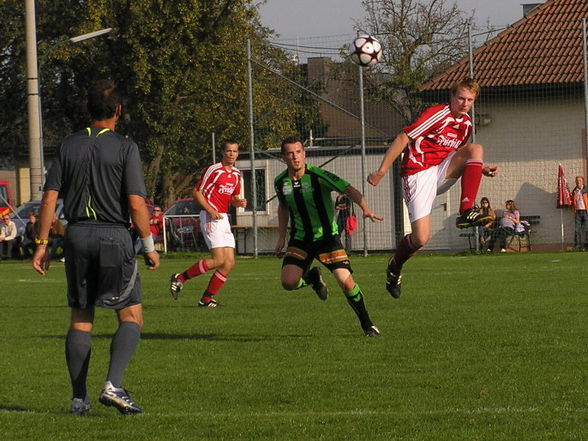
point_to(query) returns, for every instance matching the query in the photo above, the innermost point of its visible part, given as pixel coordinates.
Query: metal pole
(585, 60)
(252, 147)
(363, 178)
(213, 148)
(471, 71)
(33, 104)
(164, 236)
(473, 112)
(562, 226)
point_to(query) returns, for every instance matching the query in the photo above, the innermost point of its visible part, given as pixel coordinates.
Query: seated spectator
(509, 223)
(7, 237)
(56, 233)
(156, 224)
(487, 230)
(30, 234)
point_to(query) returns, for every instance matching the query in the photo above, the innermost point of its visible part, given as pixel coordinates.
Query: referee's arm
(41, 257)
(140, 217)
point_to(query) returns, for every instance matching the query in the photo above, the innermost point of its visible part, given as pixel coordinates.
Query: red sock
(470, 183)
(405, 251)
(194, 271)
(216, 282)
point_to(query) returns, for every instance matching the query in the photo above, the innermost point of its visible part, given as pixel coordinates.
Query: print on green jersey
(309, 202)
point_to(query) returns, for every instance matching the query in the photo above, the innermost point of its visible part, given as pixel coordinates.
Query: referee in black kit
(99, 175)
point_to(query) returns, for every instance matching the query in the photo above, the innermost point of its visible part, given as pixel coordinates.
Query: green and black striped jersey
(309, 202)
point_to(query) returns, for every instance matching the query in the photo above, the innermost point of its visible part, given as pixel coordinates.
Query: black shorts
(100, 266)
(329, 252)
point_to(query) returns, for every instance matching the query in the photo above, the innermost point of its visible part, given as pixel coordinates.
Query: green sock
(301, 284)
(355, 300)
(355, 293)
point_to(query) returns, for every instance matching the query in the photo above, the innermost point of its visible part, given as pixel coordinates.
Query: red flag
(563, 192)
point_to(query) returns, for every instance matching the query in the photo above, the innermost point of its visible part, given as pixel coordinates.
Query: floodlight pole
(585, 72)
(33, 104)
(213, 147)
(363, 177)
(36, 165)
(252, 147)
(473, 114)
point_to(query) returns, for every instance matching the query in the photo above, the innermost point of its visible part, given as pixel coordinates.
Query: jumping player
(304, 192)
(218, 188)
(436, 155)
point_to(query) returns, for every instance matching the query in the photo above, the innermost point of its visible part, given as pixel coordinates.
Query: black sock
(78, 347)
(355, 300)
(122, 348)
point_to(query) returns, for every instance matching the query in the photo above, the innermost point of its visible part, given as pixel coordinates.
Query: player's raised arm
(358, 198)
(390, 156)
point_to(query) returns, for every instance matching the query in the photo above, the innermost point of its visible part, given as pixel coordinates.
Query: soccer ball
(366, 50)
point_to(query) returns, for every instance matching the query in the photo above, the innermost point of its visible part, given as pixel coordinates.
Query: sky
(301, 19)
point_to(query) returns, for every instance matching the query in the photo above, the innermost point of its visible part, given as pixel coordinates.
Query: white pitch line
(43, 280)
(356, 412)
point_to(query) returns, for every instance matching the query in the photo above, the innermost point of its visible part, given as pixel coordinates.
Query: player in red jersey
(216, 190)
(436, 155)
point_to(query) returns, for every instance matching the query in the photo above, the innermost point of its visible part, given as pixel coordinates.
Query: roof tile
(542, 48)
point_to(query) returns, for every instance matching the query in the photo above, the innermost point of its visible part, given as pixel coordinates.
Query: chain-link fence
(322, 103)
(530, 117)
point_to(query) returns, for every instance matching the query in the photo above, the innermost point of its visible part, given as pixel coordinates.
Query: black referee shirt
(95, 170)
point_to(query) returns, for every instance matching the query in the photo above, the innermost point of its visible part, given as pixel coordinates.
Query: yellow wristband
(41, 241)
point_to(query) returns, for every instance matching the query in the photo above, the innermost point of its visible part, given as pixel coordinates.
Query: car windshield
(25, 210)
(183, 207)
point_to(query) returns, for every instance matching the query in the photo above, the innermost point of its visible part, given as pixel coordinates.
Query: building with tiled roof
(544, 47)
(530, 117)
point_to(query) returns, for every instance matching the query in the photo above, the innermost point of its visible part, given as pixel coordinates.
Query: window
(260, 189)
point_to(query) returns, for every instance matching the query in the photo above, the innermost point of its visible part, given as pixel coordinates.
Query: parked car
(21, 216)
(182, 223)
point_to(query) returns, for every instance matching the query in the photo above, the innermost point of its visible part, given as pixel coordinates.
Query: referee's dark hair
(103, 98)
(291, 140)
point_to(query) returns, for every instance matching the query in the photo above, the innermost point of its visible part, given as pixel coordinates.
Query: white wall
(380, 235)
(528, 137)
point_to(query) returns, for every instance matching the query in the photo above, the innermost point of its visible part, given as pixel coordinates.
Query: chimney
(528, 7)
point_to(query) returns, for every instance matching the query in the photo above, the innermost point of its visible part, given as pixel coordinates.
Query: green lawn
(477, 348)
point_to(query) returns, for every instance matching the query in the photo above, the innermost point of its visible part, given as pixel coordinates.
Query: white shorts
(419, 190)
(217, 232)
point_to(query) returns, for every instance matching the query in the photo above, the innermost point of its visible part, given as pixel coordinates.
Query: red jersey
(219, 185)
(434, 135)
(156, 225)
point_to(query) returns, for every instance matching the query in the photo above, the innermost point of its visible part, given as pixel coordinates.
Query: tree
(182, 64)
(420, 39)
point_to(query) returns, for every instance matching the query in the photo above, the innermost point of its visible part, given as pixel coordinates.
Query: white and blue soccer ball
(366, 50)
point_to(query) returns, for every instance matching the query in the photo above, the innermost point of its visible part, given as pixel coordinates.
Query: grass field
(477, 348)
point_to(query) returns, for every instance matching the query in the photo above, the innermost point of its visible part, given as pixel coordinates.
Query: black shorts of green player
(328, 251)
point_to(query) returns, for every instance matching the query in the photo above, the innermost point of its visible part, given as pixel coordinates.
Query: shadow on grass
(244, 338)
